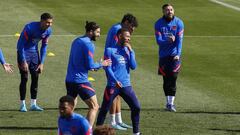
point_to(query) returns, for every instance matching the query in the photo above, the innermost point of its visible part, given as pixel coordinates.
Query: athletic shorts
(32, 59)
(84, 90)
(168, 66)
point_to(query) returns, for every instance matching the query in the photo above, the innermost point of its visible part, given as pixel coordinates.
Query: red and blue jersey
(2, 60)
(29, 38)
(81, 60)
(112, 38)
(163, 29)
(122, 61)
(75, 125)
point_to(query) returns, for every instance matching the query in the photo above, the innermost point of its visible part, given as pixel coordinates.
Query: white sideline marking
(137, 36)
(226, 5)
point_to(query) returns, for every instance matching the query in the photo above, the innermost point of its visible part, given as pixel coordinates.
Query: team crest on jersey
(174, 27)
(121, 60)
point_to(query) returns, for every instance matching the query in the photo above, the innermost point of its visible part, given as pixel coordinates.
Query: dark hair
(122, 30)
(46, 16)
(166, 5)
(68, 99)
(131, 19)
(91, 26)
(104, 130)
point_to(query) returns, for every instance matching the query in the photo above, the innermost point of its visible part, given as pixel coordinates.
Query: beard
(93, 38)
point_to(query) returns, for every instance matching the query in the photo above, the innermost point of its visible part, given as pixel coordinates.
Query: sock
(167, 99)
(136, 133)
(33, 102)
(22, 102)
(171, 100)
(118, 117)
(112, 119)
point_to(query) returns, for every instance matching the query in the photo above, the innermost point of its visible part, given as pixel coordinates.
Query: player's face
(65, 109)
(125, 37)
(96, 34)
(46, 23)
(168, 12)
(129, 26)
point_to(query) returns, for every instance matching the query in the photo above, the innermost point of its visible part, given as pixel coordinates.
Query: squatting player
(169, 36)
(118, 79)
(80, 62)
(29, 59)
(130, 22)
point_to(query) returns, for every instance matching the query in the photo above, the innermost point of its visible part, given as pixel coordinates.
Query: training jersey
(75, 125)
(122, 61)
(163, 29)
(29, 38)
(81, 60)
(2, 60)
(112, 38)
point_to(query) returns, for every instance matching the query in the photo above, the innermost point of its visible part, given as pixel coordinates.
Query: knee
(24, 79)
(94, 107)
(136, 108)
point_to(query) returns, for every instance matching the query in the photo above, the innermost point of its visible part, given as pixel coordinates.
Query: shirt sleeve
(86, 128)
(179, 37)
(108, 69)
(159, 36)
(132, 60)
(89, 53)
(43, 51)
(2, 60)
(22, 41)
(112, 38)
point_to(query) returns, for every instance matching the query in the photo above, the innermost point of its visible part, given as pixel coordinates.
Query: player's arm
(112, 38)
(2, 60)
(22, 41)
(108, 69)
(159, 36)
(179, 39)
(132, 60)
(89, 53)
(43, 53)
(6, 66)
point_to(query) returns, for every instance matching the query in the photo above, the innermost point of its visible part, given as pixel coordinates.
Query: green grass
(208, 91)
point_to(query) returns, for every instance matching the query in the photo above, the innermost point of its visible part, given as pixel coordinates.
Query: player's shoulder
(80, 118)
(178, 20)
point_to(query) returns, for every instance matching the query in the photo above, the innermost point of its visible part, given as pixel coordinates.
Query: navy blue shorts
(168, 66)
(32, 59)
(84, 90)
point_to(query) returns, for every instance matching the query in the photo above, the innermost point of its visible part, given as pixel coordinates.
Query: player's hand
(106, 62)
(171, 38)
(118, 85)
(8, 67)
(176, 58)
(128, 46)
(24, 66)
(39, 68)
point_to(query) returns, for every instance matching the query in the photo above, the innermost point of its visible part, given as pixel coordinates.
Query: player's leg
(109, 95)
(22, 90)
(22, 85)
(129, 96)
(93, 109)
(34, 83)
(112, 112)
(171, 92)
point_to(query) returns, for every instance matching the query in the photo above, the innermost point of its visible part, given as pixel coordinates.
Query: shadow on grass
(27, 128)
(227, 130)
(196, 112)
